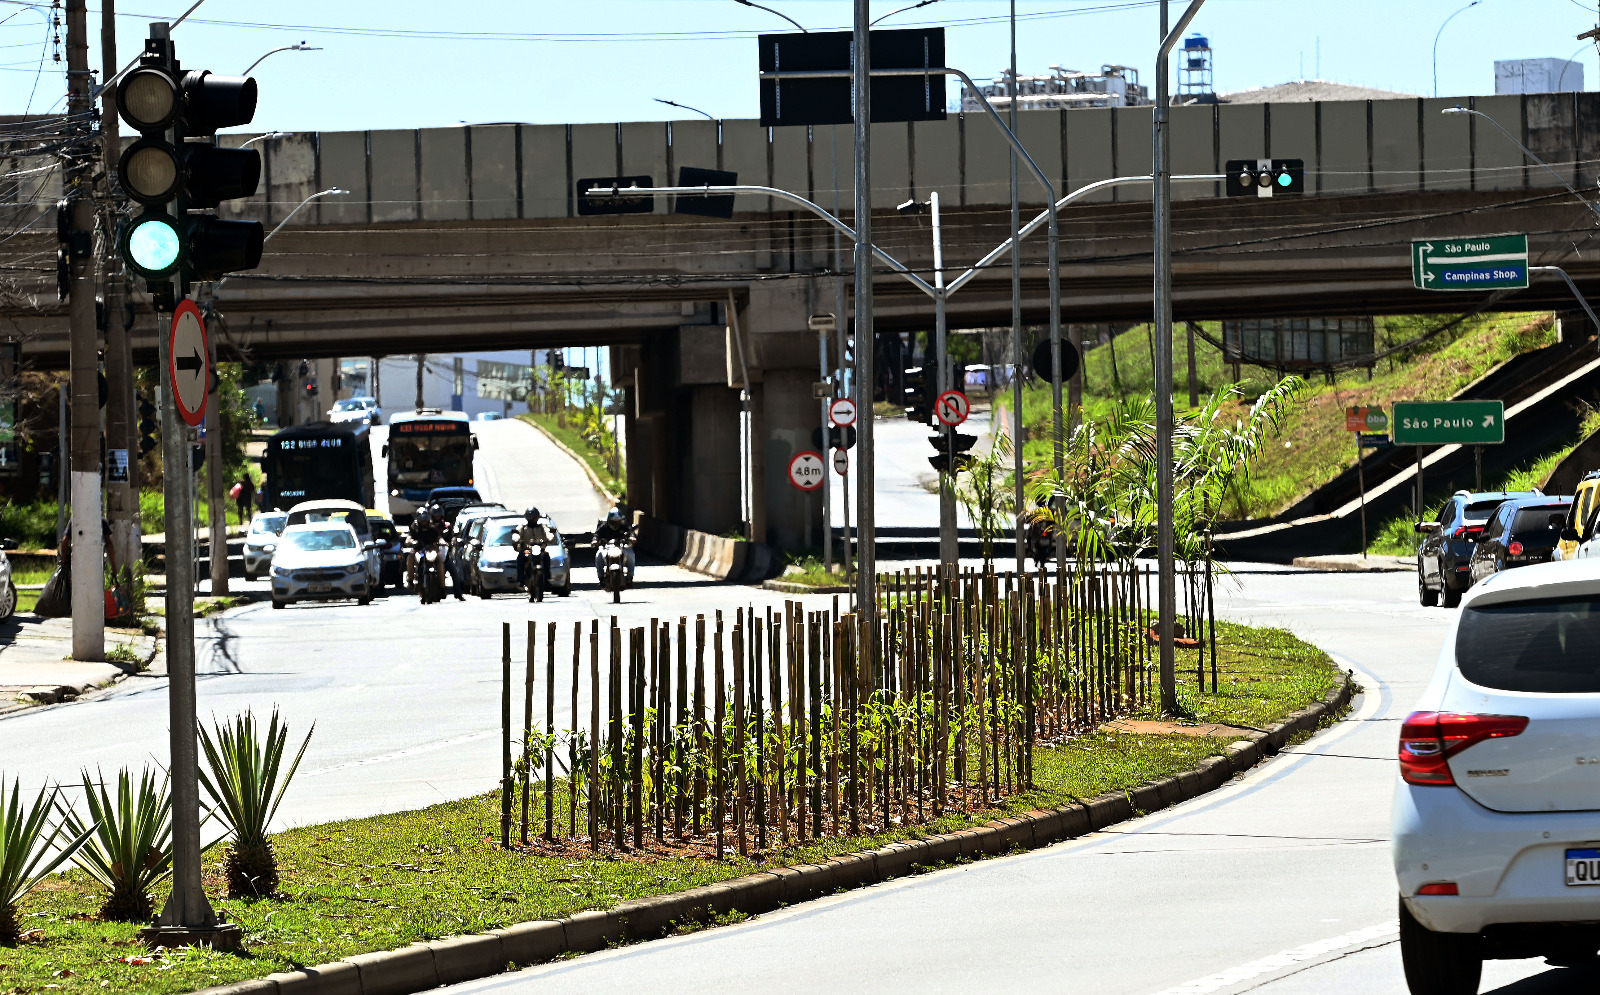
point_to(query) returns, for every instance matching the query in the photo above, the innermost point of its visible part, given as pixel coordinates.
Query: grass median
(381, 882)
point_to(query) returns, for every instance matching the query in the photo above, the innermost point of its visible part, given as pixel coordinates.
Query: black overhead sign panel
(827, 101)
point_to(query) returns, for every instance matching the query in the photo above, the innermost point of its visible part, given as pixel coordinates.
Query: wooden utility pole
(88, 555)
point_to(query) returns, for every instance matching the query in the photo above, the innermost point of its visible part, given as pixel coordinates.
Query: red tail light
(1429, 739)
(1515, 549)
(1461, 530)
(1439, 888)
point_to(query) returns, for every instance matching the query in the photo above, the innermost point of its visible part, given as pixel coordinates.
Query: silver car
(493, 560)
(261, 541)
(319, 561)
(8, 590)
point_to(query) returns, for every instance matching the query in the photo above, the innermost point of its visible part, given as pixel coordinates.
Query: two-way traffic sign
(188, 358)
(1485, 262)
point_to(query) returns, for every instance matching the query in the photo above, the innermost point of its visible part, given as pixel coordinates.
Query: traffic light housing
(837, 437)
(918, 400)
(1265, 177)
(952, 446)
(176, 172)
(147, 426)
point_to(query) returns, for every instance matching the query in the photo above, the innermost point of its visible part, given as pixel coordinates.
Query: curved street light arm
(1558, 271)
(902, 10)
(674, 103)
(320, 193)
(769, 10)
(1458, 109)
(297, 47)
(1437, 35)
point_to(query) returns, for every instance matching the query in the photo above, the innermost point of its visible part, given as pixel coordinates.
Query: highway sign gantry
(806, 470)
(1481, 262)
(952, 408)
(1442, 423)
(188, 355)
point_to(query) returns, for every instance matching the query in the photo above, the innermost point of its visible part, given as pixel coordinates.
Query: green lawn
(377, 883)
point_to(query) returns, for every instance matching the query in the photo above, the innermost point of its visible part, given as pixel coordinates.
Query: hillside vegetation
(1312, 446)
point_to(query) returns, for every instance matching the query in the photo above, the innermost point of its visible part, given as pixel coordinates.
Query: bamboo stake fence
(745, 731)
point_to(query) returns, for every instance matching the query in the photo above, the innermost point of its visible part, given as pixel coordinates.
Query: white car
(355, 409)
(8, 590)
(319, 561)
(261, 541)
(1497, 812)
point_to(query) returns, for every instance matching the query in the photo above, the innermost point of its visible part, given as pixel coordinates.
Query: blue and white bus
(427, 449)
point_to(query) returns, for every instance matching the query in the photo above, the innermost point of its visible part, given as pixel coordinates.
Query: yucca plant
(130, 841)
(30, 849)
(247, 781)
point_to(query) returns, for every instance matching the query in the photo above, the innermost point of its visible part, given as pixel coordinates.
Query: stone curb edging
(785, 587)
(421, 966)
(588, 471)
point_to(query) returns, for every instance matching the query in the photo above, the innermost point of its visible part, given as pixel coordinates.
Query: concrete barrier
(715, 556)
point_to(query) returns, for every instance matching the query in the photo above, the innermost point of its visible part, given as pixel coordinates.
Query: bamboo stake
(550, 733)
(530, 661)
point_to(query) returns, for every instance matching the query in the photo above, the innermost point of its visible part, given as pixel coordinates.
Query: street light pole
(1458, 109)
(1436, 36)
(674, 103)
(866, 376)
(296, 47)
(1019, 514)
(1166, 588)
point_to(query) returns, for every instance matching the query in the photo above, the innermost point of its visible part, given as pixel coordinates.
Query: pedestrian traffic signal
(147, 426)
(1265, 177)
(918, 399)
(176, 168)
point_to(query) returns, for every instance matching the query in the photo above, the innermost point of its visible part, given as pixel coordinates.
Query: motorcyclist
(427, 531)
(615, 528)
(530, 540)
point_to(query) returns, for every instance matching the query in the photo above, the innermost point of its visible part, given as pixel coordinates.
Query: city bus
(427, 449)
(318, 461)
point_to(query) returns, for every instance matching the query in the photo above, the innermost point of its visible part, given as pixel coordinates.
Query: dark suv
(1444, 560)
(1522, 531)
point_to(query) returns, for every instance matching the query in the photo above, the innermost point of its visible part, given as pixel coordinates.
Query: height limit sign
(806, 471)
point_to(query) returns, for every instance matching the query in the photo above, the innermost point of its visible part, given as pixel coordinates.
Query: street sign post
(806, 470)
(1360, 419)
(189, 355)
(1443, 423)
(843, 412)
(952, 408)
(1484, 262)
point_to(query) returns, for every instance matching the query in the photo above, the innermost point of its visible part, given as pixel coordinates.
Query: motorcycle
(430, 574)
(611, 562)
(533, 566)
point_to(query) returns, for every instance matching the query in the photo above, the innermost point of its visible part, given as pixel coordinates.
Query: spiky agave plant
(30, 849)
(130, 844)
(247, 781)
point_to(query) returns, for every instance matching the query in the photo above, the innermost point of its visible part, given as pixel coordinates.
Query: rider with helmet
(615, 528)
(426, 532)
(530, 540)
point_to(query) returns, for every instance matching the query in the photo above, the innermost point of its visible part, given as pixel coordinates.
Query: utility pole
(1018, 433)
(88, 554)
(866, 339)
(421, 359)
(949, 539)
(122, 496)
(216, 482)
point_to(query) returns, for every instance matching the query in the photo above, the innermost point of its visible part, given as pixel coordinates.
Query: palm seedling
(30, 849)
(246, 781)
(130, 841)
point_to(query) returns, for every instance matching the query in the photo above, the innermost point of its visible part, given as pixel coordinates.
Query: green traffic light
(1285, 180)
(153, 246)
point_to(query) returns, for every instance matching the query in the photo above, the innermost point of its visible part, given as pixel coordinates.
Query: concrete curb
(421, 966)
(785, 587)
(588, 470)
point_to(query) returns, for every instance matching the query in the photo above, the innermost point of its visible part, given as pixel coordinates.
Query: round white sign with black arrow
(188, 359)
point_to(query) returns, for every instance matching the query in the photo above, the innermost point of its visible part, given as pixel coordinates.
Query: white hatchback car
(1497, 812)
(317, 562)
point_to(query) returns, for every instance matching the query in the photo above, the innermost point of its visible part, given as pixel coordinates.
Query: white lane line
(1286, 958)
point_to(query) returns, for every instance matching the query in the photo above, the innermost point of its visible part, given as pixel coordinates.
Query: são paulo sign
(1440, 423)
(1480, 262)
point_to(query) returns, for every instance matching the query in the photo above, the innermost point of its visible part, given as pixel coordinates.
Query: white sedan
(1497, 811)
(319, 561)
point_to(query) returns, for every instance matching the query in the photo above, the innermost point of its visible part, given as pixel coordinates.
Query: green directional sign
(1443, 423)
(1480, 262)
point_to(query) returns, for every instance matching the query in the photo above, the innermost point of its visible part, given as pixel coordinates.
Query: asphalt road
(1279, 883)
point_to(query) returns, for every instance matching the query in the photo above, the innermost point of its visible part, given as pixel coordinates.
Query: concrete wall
(495, 172)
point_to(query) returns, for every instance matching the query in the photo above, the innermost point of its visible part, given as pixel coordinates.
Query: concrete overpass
(470, 237)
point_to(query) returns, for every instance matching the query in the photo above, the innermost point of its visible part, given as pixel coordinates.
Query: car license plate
(1583, 868)
(318, 588)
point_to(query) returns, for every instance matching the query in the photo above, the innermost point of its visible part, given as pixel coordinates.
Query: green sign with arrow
(1480, 262)
(1442, 423)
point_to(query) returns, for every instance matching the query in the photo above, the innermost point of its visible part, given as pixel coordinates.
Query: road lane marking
(401, 754)
(1384, 932)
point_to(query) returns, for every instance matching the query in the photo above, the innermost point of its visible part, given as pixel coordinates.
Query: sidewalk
(36, 665)
(1356, 563)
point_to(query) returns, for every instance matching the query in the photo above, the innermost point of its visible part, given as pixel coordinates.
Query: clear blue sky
(402, 64)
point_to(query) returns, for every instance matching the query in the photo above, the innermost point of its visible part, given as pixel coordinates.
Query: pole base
(222, 936)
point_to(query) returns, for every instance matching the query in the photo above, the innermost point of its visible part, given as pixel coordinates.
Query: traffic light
(952, 442)
(176, 170)
(1265, 177)
(311, 388)
(147, 426)
(918, 396)
(838, 437)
